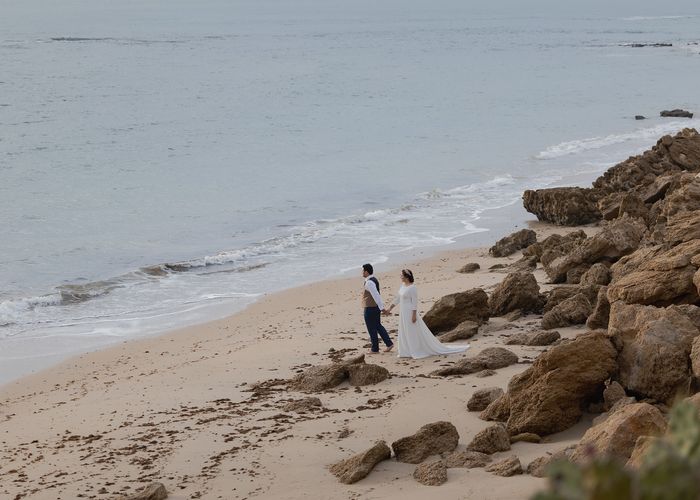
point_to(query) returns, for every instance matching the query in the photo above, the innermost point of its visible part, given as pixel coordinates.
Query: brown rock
(431, 473)
(490, 358)
(325, 377)
(566, 206)
(513, 242)
(485, 373)
(353, 469)
(453, 309)
(685, 198)
(467, 459)
(598, 274)
(465, 330)
(695, 357)
(682, 227)
(303, 405)
(654, 349)
(490, 440)
(559, 294)
(154, 491)
(601, 311)
(572, 311)
(539, 466)
(366, 374)
(507, 467)
(469, 268)
(554, 246)
(534, 338)
(617, 435)
(612, 393)
(641, 446)
(483, 397)
(497, 411)
(431, 439)
(525, 437)
(525, 264)
(518, 291)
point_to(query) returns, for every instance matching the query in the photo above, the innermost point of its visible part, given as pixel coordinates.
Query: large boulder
(534, 338)
(682, 227)
(353, 469)
(366, 374)
(490, 440)
(490, 358)
(431, 439)
(518, 291)
(513, 242)
(572, 311)
(566, 206)
(597, 274)
(601, 311)
(483, 397)
(431, 473)
(616, 436)
(654, 346)
(551, 395)
(453, 309)
(685, 198)
(498, 410)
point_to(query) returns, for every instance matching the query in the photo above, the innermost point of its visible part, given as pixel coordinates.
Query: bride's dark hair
(408, 274)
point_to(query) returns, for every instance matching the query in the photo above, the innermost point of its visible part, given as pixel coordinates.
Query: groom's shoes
(388, 349)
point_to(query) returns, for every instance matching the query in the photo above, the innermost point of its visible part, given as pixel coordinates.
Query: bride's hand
(415, 317)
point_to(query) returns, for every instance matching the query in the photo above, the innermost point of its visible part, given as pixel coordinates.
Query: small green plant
(670, 469)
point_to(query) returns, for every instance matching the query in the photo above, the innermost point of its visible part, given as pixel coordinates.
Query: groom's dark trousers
(373, 320)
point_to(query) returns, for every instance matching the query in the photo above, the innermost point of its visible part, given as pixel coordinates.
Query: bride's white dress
(415, 339)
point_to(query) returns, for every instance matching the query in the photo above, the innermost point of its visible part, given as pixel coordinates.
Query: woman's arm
(414, 304)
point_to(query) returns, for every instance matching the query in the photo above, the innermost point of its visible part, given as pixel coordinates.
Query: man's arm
(371, 287)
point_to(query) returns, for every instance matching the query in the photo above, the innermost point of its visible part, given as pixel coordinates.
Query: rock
(695, 357)
(617, 435)
(303, 405)
(676, 113)
(538, 467)
(573, 311)
(154, 491)
(682, 227)
(619, 237)
(573, 276)
(485, 373)
(469, 268)
(431, 439)
(465, 330)
(601, 311)
(559, 294)
(366, 374)
(431, 473)
(507, 467)
(597, 274)
(513, 315)
(513, 242)
(518, 291)
(554, 246)
(685, 198)
(549, 396)
(497, 411)
(490, 440)
(490, 358)
(525, 437)
(483, 397)
(612, 393)
(353, 469)
(640, 117)
(467, 459)
(641, 446)
(566, 206)
(453, 309)
(534, 338)
(654, 347)
(524, 265)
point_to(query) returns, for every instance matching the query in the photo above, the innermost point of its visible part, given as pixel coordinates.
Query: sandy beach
(184, 409)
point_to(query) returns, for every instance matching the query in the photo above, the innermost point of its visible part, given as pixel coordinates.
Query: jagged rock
(641, 446)
(598, 274)
(453, 309)
(485, 373)
(620, 403)
(154, 491)
(573, 276)
(572, 311)
(566, 206)
(431, 473)
(366, 374)
(518, 291)
(465, 330)
(303, 405)
(525, 437)
(619, 237)
(612, 393)
(507, 467)
(559, 294)
(353, 469)
(601, 311)
(538, 467)
(654, 347)
(524, 265)
(616, 205)
(554, 246)
(431, 439)
(469, 268)
(682, 227)
(549, 396)
(490, 358)
(534, 338)
(513, 242)
(490, 440)
(483, 397)
(676, 113)
(685, 198)
(616, 436)
(497, 411)
(467, 459)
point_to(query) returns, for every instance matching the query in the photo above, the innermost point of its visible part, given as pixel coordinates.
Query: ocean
(166, 163)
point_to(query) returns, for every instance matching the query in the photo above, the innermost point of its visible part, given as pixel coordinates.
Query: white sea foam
(656, 18)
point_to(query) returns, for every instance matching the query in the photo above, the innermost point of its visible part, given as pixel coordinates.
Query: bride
(415, 338)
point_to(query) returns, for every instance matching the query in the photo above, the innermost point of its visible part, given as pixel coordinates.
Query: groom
(373, 305)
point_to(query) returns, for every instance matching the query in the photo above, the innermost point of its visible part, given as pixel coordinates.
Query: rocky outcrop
(431, 439)
(616, 436)
(675, 113)
(554, 246)
(467, 459)
(483, 397)
(654, 346)
(566, 206)
(154, 491)
(550, 396)
(465, 330)
(453, 309)
(353, 469)
(431, 473)
(490, 358)
(572, 311)
(518, 291)
(490, 440)
(325, 377)
(513, 242)
(534, 338)
(507, 467)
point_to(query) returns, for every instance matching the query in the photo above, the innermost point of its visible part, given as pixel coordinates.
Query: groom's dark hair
(368, 268)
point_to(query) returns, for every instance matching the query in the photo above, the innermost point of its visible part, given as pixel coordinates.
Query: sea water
(163, 163)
